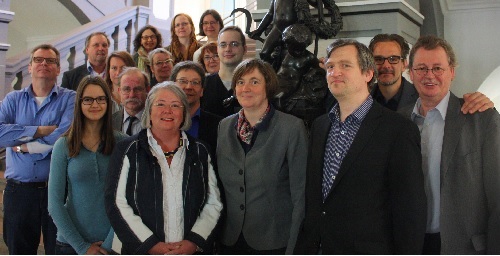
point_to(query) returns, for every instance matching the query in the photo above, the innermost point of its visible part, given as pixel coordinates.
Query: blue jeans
(25, 217)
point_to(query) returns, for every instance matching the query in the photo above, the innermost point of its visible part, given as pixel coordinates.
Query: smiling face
(211, 62)
(95, 111)
(193, 92)
(251, 91)
(149, 40)
(343, 74)
(182, 27)
(160, 67)
(389, 74)
(432, 88)
(164, 117)
(211, 27)
(44, 70)
(230, 55)
(97, 50)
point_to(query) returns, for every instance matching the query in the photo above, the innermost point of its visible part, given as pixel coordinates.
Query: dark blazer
(470, 181)
(214, 94)
(72, 78)
(207, 131)
(377, 204)
(117, 120)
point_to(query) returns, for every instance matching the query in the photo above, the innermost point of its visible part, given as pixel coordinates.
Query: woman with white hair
(161, 192)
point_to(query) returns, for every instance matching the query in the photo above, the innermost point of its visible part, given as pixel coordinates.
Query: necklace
(91, 148)
(171, 154)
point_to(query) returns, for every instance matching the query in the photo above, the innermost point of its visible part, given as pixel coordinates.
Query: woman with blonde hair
(184, 43)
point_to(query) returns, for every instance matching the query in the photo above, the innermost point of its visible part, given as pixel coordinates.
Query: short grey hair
(169, 86)
(155, 51)
(131, 70)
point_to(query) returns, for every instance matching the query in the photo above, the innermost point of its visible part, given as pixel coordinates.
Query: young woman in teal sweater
(78, 170)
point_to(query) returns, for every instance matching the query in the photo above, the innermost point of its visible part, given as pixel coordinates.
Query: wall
(471, 27)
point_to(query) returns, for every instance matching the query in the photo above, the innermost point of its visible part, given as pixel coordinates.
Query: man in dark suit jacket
(461, 157)
(96, 49)
(190, 76)
(364, 188)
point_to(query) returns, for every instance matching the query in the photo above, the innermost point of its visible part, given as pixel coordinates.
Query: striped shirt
(340, 138)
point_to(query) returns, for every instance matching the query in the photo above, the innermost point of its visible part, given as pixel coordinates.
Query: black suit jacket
(377, 204)
(72, 78)
(207, 131)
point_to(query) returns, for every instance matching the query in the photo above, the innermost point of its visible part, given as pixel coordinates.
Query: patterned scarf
(142, 61)
(245, 130)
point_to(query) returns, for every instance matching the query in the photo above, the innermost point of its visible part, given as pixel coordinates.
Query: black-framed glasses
(232, 44)
(214, 58)
(47, 60)
(161, 62)
(422, 71)
(206, 23)
(379, 60)
(152, 37)
(185, 82)
(127, 90)
(90, 100)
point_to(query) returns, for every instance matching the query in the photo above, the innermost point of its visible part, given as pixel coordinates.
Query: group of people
(161, 158)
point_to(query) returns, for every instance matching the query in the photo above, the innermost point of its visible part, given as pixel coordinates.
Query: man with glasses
(392, 90)
(96, 49)
(218, 95)
(161, 65)
(31, 120)
(133, 92)
(190, 76)
(461, 162)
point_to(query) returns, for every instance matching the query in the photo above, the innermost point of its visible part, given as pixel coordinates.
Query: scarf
(245, 130)
(142, 60)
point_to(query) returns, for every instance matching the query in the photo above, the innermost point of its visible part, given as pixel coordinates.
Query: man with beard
(96, 49)
(217, 95)
(132, 87)
(392, 90)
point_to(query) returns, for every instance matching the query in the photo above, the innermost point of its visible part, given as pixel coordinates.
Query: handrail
(120, 26)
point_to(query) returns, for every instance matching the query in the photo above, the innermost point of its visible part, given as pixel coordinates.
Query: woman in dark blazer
(261, 154)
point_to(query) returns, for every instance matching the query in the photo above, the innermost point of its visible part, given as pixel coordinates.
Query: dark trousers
(432, 244)
(25, 215)
(242, 248)
(64, 249)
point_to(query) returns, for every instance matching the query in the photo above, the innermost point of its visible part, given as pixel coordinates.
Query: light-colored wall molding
(468, 5)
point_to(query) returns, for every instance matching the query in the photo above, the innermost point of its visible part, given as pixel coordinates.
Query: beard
(389, 82)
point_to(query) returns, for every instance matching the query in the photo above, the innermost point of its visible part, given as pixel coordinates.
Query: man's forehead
(132, 80)
(161, 55)
(45, 52)
(229, 36)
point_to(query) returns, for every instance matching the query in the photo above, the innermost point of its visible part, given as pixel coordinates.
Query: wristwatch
(19, 149)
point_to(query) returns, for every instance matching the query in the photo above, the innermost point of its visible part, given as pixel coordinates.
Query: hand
(162, 248)
(183, 247)
(24, 148)
(322, 61)
(43, 131)
(96, 249)
(476, 102)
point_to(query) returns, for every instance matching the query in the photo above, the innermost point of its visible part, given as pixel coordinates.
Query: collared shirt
(340, 138)
(20, 117)
(431, 129)
(93, 72)
(393, 102)
(195, 124)
(136, 125)
(173, 204)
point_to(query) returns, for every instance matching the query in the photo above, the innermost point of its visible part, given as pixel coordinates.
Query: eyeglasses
(437, 71)
(152, 37)
(232, 44)
(47, 60)
(206, 23)
(214, 58)
(161, 62)
(90, 100)
(176, 106)
(182, 24)
(185, 82)
(391, 59)
(127, 90)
